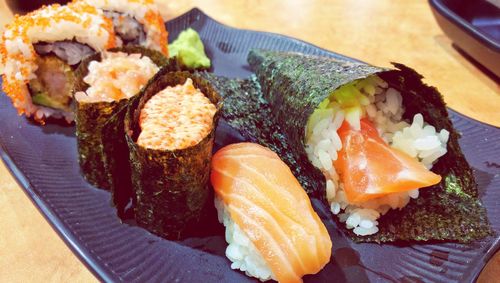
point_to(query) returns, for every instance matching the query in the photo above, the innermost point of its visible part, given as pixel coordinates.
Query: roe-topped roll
(40, 52)
(170, 133)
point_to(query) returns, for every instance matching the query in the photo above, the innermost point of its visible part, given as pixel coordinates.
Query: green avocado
(44, 99)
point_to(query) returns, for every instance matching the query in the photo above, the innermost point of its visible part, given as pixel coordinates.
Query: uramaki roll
(40, 52)
(170, 132)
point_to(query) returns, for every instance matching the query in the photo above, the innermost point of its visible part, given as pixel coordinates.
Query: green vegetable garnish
(189, 50)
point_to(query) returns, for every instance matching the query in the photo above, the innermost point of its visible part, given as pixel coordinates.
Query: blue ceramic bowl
(474, 27)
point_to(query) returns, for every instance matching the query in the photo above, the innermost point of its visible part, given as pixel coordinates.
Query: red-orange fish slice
(369, 168)
(266, 201)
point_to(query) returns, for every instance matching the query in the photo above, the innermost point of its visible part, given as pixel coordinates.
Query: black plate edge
(495, 247)
(85, 256)
(442, 9)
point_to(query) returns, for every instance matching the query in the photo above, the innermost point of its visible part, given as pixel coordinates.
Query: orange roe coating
(18, 55)
(156, 20)
(175, 118)
(108, 26)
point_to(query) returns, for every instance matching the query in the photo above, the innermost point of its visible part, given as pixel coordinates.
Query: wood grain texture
(377, 32)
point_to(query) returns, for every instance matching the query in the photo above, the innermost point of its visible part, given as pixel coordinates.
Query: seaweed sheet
(96, 150)
(274, 107)
(171, 187)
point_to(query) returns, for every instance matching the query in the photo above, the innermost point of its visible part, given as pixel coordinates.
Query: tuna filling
(53, 84)
(127, 28)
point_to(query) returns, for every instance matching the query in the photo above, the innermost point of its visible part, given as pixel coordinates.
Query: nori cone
(96, 149)
(291, 85)
(171, 187)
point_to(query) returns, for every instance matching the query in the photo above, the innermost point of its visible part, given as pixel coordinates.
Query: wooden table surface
(377, 32)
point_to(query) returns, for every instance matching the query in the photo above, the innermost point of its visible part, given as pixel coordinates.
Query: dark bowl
(474, 27)
(22, 6)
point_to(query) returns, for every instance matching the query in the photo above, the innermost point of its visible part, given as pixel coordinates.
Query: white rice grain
(383, 106)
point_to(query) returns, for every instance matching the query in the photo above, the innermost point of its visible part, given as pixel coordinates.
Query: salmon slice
(267, 202)
(369, 168)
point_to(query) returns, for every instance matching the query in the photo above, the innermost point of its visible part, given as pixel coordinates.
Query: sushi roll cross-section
(272, 230)
(40, 52)
(170, 132)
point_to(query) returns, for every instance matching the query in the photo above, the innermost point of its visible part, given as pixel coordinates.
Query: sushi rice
(240, 250)
(69, 32)
(383, 106)
(136, 21)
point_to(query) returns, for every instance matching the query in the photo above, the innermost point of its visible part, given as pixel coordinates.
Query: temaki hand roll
(376, 144)
(40, 52)
(170, 131)
(105, 84)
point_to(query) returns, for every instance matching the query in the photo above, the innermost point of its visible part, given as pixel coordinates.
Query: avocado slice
(44, 99)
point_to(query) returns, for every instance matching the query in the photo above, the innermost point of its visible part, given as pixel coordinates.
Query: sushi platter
(241, 155)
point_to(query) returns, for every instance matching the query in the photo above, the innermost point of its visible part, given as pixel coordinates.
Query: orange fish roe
(144, 12)
(155, 20)
(47, 24)
(176, 118)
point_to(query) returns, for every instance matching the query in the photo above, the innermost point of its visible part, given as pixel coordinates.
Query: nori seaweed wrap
(96, 150)
(289, 87)
(170, 185)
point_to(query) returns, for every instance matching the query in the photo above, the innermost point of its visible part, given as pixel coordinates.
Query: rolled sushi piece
(271, 228)
(170, 132)
(40, 52)
(105, 83)
(135, 22)
(390, 164)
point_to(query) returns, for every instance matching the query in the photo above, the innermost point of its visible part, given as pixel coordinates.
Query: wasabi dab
(189, 50)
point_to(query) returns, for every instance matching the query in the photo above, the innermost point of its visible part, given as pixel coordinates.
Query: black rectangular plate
(44, 161)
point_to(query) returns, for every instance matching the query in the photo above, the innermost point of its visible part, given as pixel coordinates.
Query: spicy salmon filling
(117, 76)
(373, 160)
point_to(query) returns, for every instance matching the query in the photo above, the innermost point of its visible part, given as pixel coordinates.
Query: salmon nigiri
(272, 230)
(369, 168)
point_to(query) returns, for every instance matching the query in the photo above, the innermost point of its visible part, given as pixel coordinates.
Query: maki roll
(106, 82)
(135, 22)
(40, 52)
(375, 144)
(170, 132)
(271, 228)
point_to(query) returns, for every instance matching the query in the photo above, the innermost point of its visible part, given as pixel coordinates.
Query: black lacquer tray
(44, 161)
